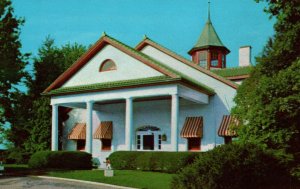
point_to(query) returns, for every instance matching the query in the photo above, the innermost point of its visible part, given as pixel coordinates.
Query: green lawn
(136, 179)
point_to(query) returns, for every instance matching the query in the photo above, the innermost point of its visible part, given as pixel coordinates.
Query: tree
(268, 103)
(12, 62)
(50, 63)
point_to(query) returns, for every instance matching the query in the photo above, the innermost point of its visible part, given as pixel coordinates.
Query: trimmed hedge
(170, 162)
(234, 166)
(60, 160)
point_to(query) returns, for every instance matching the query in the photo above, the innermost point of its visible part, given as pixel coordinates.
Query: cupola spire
(208, 18)
(209, 50)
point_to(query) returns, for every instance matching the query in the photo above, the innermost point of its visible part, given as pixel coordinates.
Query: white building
(145, 98)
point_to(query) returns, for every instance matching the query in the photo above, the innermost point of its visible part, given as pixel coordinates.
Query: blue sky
(176, 24)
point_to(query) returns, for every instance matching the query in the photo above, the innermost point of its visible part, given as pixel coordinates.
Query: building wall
(224, 92)
(156, 113)
(127, 68)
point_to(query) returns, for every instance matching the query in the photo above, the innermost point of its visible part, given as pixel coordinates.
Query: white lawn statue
(108, 172)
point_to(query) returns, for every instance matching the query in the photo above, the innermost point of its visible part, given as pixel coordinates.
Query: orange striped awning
(192, 128)
(78, 132)
(226, 125)
(104, 131)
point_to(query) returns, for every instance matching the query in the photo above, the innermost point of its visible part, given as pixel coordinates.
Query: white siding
(224, 92)
(127, 68)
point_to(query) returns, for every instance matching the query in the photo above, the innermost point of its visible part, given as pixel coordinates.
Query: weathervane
(209, 10)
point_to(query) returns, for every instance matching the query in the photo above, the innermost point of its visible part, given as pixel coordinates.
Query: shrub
(124, 160)
(60, 160)
(234, 166)
(16, 155)
(170, 162)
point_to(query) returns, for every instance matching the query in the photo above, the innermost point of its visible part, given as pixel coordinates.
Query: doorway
(148, 142)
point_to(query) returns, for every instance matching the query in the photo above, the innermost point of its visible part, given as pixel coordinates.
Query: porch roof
(130, 84)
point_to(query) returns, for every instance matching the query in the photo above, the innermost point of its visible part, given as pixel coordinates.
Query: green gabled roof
(134, 82)
(113, 85)
(231, 72)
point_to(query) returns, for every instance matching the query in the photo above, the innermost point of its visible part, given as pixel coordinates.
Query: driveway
(47, 183)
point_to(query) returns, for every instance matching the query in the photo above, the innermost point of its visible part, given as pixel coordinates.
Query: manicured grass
(130, 178)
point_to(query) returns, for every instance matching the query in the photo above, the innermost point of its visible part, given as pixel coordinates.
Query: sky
(175, 24)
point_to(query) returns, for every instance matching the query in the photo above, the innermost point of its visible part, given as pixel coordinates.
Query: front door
(148, 142)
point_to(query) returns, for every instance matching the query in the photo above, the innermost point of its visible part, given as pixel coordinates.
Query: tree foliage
(12, 61)
(48, 65)
(268, 103)
(234, 166)
(30, 113)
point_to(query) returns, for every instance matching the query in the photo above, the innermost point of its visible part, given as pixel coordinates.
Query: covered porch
(93, 101)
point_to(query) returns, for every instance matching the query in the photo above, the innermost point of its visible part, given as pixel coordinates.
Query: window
(194, 144)
(106, 144)
(214, 59)
(107, 65)
(138, 142)
(227, 139)
(159, 142)
(223, 61)
(203, 59)
(80, 145)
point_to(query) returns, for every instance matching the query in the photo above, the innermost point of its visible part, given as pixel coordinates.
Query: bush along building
(146, 98)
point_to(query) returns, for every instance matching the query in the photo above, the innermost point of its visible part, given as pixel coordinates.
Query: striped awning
(192, 128)
(227, 123)
(78, 132)
(104, 131)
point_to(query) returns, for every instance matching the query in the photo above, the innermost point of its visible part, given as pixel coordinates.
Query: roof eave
(190, 52)
(173, 81)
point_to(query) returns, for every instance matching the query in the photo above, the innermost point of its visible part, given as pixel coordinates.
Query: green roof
(134, 82)
(113, 85)
(231, 72)
(208, 37)
(110, 85)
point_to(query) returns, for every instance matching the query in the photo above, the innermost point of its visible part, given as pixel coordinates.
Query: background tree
(12, 62)
(48, 65)
(268, 103)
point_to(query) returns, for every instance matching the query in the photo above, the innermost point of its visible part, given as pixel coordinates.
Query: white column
(174, 121)
(129, 124)
(89, 127)
(54, 139)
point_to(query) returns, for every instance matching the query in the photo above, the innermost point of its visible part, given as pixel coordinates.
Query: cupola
(209, 51)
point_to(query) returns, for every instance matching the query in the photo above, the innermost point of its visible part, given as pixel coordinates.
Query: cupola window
(107, 65)
(203, 59)
(214, 59)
